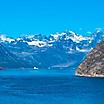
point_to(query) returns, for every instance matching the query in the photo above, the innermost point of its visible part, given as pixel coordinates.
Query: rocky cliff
(93, 64)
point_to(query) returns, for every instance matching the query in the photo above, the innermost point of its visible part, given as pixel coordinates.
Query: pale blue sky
(49, 16)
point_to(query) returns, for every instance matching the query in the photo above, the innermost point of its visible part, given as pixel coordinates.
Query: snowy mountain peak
(78, 38)
(3, 38)
(49, 41)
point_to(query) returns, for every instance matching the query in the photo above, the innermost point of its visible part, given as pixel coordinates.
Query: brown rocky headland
(93, 64)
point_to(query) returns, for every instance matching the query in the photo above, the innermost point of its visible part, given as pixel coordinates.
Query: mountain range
(60, 50)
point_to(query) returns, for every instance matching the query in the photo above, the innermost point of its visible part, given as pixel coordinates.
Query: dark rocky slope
(93, 65)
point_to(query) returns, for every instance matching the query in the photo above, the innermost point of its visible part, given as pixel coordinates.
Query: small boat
(35, 68)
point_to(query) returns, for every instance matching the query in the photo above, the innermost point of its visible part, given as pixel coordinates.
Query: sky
(19, 17)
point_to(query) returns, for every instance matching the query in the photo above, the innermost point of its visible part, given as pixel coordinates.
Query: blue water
(49, 87)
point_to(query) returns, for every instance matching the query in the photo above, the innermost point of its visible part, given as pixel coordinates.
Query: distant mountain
(93, 65)
(7, 59)
(60, 50)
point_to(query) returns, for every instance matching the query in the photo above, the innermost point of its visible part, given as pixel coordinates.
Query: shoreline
(86, 75)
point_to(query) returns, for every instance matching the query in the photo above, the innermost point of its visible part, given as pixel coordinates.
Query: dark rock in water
(93, 65)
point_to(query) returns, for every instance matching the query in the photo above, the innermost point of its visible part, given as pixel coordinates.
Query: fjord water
(19, 86)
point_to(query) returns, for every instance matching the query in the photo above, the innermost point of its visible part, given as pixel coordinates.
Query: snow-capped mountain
(3, 38)
(57, 50)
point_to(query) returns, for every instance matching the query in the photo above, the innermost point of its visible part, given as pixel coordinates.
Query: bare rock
(93, 65)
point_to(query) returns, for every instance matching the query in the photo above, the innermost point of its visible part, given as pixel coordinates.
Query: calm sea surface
(29, 86)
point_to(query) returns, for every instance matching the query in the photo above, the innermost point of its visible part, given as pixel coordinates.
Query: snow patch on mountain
(82, 50)
(37, 43)
(3, 38)
(57, 35)
(78, 38)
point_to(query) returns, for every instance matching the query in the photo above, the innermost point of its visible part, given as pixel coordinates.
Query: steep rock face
(93, 65)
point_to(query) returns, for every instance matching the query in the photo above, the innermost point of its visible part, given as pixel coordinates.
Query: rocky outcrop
(93, 65)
